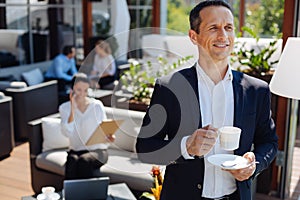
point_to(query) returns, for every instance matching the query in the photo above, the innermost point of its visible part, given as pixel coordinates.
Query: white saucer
(221, 160)
(52, 196)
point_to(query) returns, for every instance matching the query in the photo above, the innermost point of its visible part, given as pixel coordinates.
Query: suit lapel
(237, 92)
(238, 100)
(193, 81)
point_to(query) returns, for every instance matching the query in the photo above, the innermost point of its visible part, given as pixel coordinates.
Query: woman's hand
(110, 138)
(72, 97)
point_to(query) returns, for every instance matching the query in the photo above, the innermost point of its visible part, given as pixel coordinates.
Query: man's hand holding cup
(202, 141)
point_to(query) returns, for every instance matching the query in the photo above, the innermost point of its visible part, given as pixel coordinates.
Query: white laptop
(86, 189)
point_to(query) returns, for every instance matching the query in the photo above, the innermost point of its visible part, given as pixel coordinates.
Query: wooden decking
(15, 175)
(295, 182)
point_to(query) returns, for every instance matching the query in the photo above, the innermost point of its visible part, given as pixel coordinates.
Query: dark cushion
(7, 78)
(4, 85)
(33, 77)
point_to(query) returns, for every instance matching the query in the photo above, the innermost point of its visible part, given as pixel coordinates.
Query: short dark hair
(67, 49)
(79, 77)
(195, 19)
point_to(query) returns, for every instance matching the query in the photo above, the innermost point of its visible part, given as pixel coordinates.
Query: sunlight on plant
(139, 80)
(256, 62)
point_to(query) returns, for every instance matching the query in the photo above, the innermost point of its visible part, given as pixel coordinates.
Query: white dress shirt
(217, 108)
(83, 125)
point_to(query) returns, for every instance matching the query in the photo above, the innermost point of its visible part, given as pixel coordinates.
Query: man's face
(216, 33)
(72, 55)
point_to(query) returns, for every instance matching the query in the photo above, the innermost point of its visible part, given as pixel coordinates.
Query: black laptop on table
(86, 189)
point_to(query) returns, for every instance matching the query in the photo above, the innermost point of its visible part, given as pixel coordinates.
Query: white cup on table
(48, 193)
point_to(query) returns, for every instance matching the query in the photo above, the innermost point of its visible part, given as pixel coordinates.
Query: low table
(118, 191)
(103, 95)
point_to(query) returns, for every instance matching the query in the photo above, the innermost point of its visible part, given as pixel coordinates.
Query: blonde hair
(104, 45)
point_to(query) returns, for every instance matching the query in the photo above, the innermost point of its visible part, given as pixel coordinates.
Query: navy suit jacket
(174, 112)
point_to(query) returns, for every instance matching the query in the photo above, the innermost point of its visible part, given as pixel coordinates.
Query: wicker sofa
(47, 167)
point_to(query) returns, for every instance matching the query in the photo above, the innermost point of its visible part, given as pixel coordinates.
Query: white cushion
(127, 133)
(18, 84)
(153, 45)
(2, 95)
(126, 136)
(53, 161)
(181, 46)
(53, 138)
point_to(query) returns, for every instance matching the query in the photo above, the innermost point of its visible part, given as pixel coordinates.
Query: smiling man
(187, 108)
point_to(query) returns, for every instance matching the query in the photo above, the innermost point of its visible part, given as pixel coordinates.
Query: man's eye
(229, 28)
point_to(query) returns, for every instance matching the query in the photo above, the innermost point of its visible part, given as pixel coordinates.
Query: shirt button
(199, 186)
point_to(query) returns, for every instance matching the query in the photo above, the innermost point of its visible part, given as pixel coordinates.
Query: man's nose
(222, 34)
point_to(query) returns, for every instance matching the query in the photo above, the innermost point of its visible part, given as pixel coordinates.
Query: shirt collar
(201, 74)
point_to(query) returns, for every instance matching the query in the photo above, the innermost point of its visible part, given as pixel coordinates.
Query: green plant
(139, 80)
(255, 62)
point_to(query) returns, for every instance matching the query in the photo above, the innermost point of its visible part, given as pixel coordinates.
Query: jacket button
(199, 186)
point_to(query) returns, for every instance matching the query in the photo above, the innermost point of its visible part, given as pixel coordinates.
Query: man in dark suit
(188, 106)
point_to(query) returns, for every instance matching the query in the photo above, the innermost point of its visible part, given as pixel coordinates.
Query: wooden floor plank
(15, 174)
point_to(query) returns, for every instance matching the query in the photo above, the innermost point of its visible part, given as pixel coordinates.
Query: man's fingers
(210, 127)
(206, 133)
(202, 141)
(243, 174)
(250, 157)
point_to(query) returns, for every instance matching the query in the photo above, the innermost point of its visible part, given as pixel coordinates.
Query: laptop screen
(84, 189)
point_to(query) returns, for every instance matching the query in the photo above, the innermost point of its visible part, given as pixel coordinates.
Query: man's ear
(193, 36)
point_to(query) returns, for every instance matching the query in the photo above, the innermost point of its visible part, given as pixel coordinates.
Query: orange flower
(157, 186)
(156, 172)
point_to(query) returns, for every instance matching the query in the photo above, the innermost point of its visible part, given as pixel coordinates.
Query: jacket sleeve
(159, 140)
(265, 138)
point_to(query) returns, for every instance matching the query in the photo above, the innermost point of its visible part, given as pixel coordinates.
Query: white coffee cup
(229, 137)
(48, 189)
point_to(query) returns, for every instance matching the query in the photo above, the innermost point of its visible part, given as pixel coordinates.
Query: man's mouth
(221, 45)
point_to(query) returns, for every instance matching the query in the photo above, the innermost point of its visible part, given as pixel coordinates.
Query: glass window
(140, 13)
(26, 33)
(264, 17)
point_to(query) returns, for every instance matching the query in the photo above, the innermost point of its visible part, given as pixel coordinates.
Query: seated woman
(104, 67)
(79, 118)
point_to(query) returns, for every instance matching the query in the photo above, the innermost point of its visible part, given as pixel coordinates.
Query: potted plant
(139, 79)
(258, 62)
